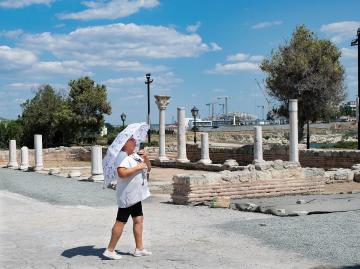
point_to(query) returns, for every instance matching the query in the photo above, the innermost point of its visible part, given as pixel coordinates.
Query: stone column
(293, 119)
(258, 150)
(205, 159)
(12, 155)
(38, 152)
(96, 164)
(162, 101)
(24, 165)
(181, 136)
(357, 109)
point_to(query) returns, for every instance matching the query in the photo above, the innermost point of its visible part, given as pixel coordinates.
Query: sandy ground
(41, 235)
(54, 222)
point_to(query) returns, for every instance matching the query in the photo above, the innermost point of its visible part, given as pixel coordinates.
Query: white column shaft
(258, 150)
(205, 159)
(12, 154)
(293, 118)
(38, 152)
(181, 136)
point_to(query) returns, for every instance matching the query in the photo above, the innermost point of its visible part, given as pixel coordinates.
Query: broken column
(96, 164)
(38, 152)
(205, 159)
(293, 120)
(258, 150)
(24, 165)
(162, 101)
(12, 155)
(181, 136)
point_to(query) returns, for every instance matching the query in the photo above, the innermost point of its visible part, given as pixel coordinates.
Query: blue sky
(195, 50)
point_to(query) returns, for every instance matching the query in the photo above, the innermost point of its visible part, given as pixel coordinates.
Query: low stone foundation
(244, 155)
(258, 180)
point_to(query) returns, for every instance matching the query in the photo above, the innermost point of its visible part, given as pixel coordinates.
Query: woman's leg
(115, 234)
(138, 231)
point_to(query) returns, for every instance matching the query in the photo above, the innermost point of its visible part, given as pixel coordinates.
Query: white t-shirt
(132, 189)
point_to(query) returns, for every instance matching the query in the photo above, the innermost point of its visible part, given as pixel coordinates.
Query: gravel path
(52, 222)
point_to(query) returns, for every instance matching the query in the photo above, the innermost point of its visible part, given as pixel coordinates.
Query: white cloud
(349, 53)
(11, 58)
(237, 57)
(123, 81)
(239, 62)
(256, 58)
(71, 68)
(132, 97)
(116, 41)
(113, 9)
(23, 86)
(162, 79)
(23, 3)
(194, 27)
(340, 31)
(215, 47)
(12, 34)
(266, 24)
(230, 68)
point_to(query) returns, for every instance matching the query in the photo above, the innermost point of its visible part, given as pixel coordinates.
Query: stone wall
(53, 154)
(308, 158)
(260, 180)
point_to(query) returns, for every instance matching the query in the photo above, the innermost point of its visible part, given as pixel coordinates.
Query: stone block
(357, 176)
(74, 174)
(355, 166)
(278, 164)
(262, 165)
(230, 163)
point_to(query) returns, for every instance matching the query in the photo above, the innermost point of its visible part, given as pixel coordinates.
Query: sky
(196, 51)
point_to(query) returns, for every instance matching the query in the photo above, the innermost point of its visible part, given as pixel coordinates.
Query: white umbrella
(136, 130)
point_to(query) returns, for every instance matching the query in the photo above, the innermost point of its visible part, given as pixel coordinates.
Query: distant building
(352, 105)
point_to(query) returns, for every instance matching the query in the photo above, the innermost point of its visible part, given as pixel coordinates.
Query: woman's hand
(141, 166)
(143, 154)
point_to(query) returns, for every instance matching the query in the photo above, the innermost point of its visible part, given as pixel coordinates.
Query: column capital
(162, 101)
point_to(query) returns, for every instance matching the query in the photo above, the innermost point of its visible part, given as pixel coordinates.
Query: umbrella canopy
(136, 130)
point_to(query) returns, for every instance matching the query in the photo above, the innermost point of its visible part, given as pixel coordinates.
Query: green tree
(47, 113)
(11, 129)
(309, 69)
(88, 103)
(346, 110)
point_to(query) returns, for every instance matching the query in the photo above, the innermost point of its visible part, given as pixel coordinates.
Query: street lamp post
(194, 112)
(355, 42)
(148, 82)
(123, 118)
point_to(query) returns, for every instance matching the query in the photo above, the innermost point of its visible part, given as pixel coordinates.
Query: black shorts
(134, 210)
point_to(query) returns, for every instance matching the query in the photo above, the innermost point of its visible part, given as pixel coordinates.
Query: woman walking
(129, 167)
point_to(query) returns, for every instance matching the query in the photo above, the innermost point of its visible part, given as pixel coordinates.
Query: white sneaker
(139, 253)
(112, 255)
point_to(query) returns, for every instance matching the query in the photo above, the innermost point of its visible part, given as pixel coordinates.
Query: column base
(162, 159)
(23, 167)
(205, 161)
(38, 168)
(13, 165)
(182, 160)
(97, 177)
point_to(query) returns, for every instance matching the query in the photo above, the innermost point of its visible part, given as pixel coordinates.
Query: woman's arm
(127, 172)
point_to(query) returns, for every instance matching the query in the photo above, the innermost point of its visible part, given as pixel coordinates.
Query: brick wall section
(308, 158)
(247, 184)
